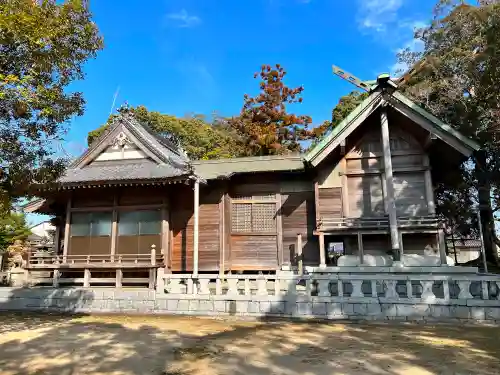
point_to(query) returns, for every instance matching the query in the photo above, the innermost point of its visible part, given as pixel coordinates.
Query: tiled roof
(138, 170)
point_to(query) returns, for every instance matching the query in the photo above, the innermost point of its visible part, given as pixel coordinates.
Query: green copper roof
(429, 116)
(340, 127)
(337, 132)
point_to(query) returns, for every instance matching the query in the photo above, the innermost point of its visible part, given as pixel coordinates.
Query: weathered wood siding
(363, 167)
(298, 216)
(330, 202)
(365, 196)
(182, 226)
(254, 226)
(257, 252)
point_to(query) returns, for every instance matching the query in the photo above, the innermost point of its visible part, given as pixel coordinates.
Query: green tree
(199, 138)
(43, 46)
(346, 105)
(13, 227)
(459, 83)
(264, 122)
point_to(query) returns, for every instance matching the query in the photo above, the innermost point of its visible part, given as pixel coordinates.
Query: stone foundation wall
(86, 300)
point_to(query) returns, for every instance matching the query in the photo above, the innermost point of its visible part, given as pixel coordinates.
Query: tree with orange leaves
(264, 122)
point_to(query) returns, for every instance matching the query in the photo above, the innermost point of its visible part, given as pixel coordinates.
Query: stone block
(412, 310)
(253, 307)
(220, 306)
(144, 306)
(492, 313)
(194, 305)
(206, 306)
(334, 310)
(348, 308)
(278, 308)
(477, 313)
(160, 304)
(460, 312)
(265, 307)
(319, 309)
(241, 306)
(389, 309)
(360, 309)
(183, 305)
(440, 312)
(172, 305)
(373, 309)
(109, 305)
(304, 308)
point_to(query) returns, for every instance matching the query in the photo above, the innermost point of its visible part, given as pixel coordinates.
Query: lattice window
(253, 214)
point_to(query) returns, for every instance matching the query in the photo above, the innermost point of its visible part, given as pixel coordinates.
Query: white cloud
(377, 14)
(184, 19)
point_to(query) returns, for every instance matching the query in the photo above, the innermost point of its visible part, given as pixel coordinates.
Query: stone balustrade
(341, 295)
(359, 295)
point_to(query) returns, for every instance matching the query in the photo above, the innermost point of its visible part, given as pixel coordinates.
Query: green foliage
(458, 82)
(43, 46)
(13, 228)
(346, 105)
(200, 139)
(264, 122)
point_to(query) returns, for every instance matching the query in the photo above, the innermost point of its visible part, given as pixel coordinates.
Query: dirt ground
(165, 345)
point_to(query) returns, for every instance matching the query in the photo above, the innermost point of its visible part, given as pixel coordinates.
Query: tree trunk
(484, 198)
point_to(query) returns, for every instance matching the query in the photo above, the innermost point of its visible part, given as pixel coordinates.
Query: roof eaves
(358, 111)
(246, 159)
(440, 124)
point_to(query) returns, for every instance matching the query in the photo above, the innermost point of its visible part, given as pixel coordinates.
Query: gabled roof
(162, 159)
(403, 105)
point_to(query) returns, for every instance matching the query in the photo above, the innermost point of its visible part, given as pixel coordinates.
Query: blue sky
(194, 56)
(199, 56)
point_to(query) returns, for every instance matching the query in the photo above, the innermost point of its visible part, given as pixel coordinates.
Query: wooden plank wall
(330, 202)
(298, 216)
(253, 251)
(182, 221)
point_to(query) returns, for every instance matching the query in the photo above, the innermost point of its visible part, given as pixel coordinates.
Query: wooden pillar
(165, 235)
(322, 255)
(57, 237)
(429, 191)
(222, 234)
(442, 247)
(196, 226)
(152, 278)
(55, 278)
(66, 231)
(401, 247)
(360, 248)
(279, 232)
(114, 233)
(119, 278)
(389, 183)
(86, 278)
(300, 259)
(345, 193)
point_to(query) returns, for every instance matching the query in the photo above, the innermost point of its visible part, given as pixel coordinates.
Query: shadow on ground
(167, 345)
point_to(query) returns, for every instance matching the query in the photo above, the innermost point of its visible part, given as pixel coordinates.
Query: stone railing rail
(473, 290)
